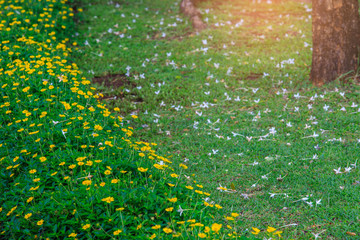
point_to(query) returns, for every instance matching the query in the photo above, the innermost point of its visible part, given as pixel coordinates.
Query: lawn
(234, 103)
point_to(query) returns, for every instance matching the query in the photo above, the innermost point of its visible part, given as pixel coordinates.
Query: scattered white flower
(337, 171)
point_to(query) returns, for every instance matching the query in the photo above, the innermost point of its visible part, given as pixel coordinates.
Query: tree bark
(188, 8)
(336, 39)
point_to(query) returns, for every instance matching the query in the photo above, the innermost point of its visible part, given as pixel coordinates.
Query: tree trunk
(336, 39)
(188, 8)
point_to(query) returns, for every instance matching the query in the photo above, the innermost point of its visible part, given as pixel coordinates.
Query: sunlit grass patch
(234, 103)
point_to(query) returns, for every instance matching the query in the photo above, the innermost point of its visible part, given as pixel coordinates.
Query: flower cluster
(69, 166)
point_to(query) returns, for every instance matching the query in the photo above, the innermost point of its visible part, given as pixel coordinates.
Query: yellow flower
(134, 116)
(86, 182)
(72, 235)
(32, 171)
(28, 215)
(41, 222)
(138, 227)
(26, 89)
(86, 226)
(174, 175)
(120, 209)
(278, 233)
(183, 166)
(102, 184)
(216, 227)
(108, 199)
(42, 159)
(141, 154)
(171, 185)
(189, 187)
(207, 229)
(156, 227)
(175, 235)
(229, 218)
(11, 211)
(173, 200)
(79, 159)
(107, 172)
(197, 225)
(169, 209)
(255, 231)
(29, 199)
(218, 206)
(167, 230)
(115, 181)
(62, 163)
(98, 127)
(117, 232)
(72, 166)
(34, 188)
(234, 214)
(142, 169)
(158, 166)
(270, 229)
(152, 236)
(54, 173)
(202, 235)
(89, 163)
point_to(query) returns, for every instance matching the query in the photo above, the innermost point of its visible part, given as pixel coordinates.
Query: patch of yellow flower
(167, 230)
(173, 200)
(142, 169)
(216, 227)
(108, 199)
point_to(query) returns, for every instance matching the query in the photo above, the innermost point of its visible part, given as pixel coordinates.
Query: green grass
(194, 120)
